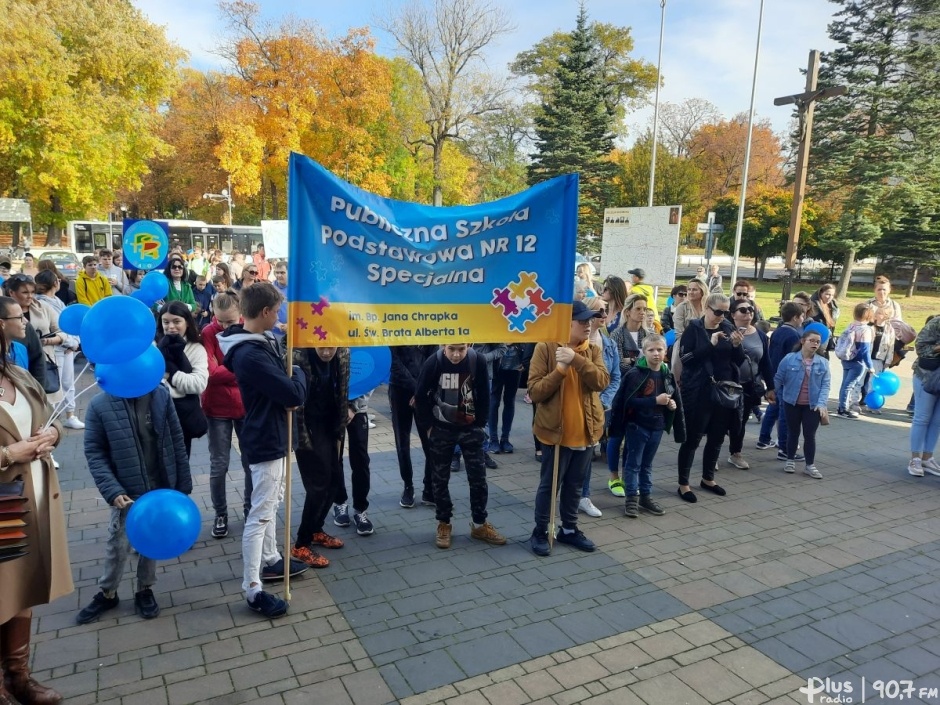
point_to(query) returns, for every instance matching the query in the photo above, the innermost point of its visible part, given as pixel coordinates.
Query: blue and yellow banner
(367, 270)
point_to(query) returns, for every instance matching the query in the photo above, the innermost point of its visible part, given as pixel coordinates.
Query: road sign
(705, 227)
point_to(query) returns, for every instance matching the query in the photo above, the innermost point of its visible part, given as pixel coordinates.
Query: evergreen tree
(876, 137)
(574, 130)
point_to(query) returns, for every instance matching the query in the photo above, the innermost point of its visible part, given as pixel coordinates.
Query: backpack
(845, 346)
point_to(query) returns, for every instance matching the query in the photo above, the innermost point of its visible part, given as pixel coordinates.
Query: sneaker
(915, 467)
(489, 462)
(538, 542)
(341, 515)
(647, 504)
(275, 571)
(760, 445)
(427, 500)
(220, 528)
(307, 555)
(616, 488)
(843, 414)
(738, 461)
(407, 498)
(455, 464)
(782, 455)
(98, 606)
(587, 506)
(74, 423)
(267, 604)
(930, 465)
(371, 423)
(491, 447)
(487, 533)
(631, 507)
(145, 604)
(363, 525)
(758, 414)
(576, 539)
(813, 472)
(506, 446)
(443, 534)
(323, 539)
(789, 467)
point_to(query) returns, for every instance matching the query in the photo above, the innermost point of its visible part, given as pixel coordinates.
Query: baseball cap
(638, 272)
(5, 263)
(580, 312)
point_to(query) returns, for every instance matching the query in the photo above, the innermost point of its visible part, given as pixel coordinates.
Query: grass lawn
(914, 309)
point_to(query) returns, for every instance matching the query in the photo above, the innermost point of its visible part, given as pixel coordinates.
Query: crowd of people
(627, 375)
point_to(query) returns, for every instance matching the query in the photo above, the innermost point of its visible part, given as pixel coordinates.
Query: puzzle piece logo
(522, 302)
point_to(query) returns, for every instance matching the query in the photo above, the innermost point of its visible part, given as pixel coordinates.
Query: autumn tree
(444, 41)
(679, 123)
(81, 82)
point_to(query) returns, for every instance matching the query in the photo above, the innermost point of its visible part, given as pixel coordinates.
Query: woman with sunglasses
(676, 297)
(615, 293)
(249, 277)
(180, 289)
(710, 350)
(693, 308)
(756, 374)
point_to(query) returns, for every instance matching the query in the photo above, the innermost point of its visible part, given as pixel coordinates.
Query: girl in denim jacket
(802, 384)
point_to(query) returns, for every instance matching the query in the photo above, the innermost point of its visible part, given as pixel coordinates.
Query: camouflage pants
(442, 443)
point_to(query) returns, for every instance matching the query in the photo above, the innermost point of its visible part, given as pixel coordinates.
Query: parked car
(66, 261)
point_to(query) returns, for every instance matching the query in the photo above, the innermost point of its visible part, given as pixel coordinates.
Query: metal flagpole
(747, 153)
(659, 72)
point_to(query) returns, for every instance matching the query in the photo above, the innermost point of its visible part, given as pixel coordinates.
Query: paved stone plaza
(736, 599)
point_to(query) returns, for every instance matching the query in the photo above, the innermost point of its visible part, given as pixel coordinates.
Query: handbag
(726, 394)
(931, 383)
(13, 543)
(51, 385)
(192, 418)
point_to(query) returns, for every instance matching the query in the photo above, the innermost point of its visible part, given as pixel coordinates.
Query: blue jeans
(852, 373)
(772, 416)
(505, 386)
(925, 428)
(613, 454)
(642, 444)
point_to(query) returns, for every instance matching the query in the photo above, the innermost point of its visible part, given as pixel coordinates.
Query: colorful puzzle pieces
(522, 302)
(302, 324)
(318, 331)
(317, 309)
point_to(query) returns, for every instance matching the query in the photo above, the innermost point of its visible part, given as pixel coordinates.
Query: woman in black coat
(710, 348)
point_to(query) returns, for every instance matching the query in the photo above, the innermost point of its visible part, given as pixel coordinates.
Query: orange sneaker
(309, 556)
(322, 539)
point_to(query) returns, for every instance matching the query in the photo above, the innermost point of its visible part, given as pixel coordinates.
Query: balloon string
(61, 404)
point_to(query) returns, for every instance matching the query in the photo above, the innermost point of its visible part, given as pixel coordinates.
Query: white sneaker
(813, 472)
(790, 466)
(930, 465)
(372, 424)
(738, 461)
(915, 468)
(73, 422)
(587, 506)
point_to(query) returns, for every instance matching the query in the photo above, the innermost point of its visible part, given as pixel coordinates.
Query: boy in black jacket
(252, 354)
(646, 406)
(452, 398)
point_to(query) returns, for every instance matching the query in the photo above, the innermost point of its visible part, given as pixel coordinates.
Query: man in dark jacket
(453, 399)
(407, 361)
(132, 446)
(252, 353)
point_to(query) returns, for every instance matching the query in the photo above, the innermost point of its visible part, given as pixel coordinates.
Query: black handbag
(931, 382)
(726, 394)
(192, 418)
(52, 383)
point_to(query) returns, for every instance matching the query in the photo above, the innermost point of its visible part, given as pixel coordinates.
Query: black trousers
(321, 470)
(358, 434)
(399, 399)
(805, 417)
(712, 422)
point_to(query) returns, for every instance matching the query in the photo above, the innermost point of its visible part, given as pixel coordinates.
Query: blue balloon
(368, 368)
(887, 383)
(817, 327)
(874, 400)
(163, 524)
(70, 320)
(117, 329)
(670, 336)
(154, 286)
(142, 297)
(133, 378)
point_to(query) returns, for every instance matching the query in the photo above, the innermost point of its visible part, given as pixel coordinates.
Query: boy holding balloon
(132, 446)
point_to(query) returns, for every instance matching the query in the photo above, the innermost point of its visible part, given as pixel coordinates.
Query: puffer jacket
(113, 450)
(545, 383)
(339, 365)
(222, 398)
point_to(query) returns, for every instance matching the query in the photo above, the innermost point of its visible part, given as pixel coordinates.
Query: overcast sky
(708, 51)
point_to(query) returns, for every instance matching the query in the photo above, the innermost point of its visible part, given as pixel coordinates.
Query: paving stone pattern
(731, 600)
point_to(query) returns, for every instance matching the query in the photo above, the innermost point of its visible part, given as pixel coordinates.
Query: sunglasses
(744, 309)
(19, 278)
(682, 293)
(740, 293)
(252, 272)
(718, 311)
(177, 266)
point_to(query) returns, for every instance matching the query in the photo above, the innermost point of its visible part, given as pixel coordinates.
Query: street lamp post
(226, 196)
(659, 71)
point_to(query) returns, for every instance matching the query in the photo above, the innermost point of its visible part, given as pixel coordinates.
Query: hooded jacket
(91, 290)
(267, 391)
(222, 398)
(630, 395)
